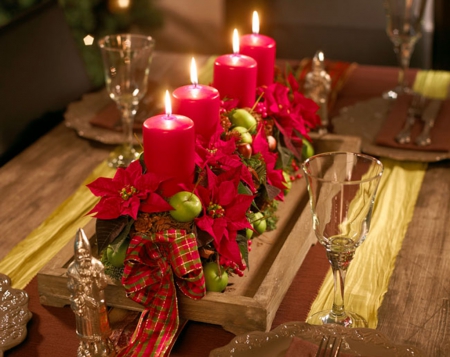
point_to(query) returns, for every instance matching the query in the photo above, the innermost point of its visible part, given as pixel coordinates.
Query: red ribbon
(153, 266)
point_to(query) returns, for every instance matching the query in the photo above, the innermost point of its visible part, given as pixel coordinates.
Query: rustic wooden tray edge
(237, 314)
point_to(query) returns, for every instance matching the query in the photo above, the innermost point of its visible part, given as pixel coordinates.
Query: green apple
(307, 149)
(216, 279)
(259, 222)
(117, 256)
(244, 134)
(242, 117)
(186, 206)
(248, 233)
(288, 183)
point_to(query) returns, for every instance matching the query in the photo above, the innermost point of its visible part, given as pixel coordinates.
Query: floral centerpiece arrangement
(203, 232)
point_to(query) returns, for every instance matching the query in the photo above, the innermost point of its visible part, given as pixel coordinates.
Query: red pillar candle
(200, 103)
(169, 148)
(262, 49)
(235, 76)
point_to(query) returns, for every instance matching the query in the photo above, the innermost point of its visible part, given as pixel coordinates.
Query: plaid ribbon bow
(152, 267)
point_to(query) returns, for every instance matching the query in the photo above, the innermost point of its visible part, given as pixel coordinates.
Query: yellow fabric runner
(432, 84)
(28, 257)
(369, 273)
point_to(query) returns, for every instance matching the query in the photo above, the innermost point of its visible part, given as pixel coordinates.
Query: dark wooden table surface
(415, 310)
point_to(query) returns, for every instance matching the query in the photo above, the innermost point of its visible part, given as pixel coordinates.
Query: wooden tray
(250, 302)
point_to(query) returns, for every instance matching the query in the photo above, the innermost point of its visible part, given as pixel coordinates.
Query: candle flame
(321, 56)
(255, 23)
(168, 104)
(235, 41)
(194, 77)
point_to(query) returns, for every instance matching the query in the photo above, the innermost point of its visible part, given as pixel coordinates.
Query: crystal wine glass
(342, 188)
(404, 28)
(126, 61)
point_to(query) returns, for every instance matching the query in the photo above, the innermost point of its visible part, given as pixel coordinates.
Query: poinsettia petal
(226, 193)
(130, 207)
(220, 229)
(148, 182)
(205, 195)
(122, 177)
(104, 186)
(229, 249)
(155, 203)
(205, 223)
(134, 170)
(240, 206)
(107, 208)
(260, 143)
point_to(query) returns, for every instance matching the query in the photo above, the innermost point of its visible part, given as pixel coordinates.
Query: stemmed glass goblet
(404, 28)
(126, 61)
(342, 188)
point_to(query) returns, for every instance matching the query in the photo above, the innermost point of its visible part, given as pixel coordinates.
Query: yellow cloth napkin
(369, 273)
(432, 84)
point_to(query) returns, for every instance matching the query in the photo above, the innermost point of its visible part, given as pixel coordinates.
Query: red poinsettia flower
(128, 192)
(294, 114)
(307, 109)
(221, 155)
(274, 176)
(224, 213)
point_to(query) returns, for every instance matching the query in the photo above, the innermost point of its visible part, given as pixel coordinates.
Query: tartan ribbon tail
(152, 267)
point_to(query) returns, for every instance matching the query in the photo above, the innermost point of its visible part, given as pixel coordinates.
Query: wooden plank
(421, 279)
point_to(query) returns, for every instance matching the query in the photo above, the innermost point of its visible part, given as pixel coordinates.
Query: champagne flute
(126, 61)
(342, 188)
(404, 28)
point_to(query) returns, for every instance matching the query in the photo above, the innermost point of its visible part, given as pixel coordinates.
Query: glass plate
(358, 341)
(364, 119)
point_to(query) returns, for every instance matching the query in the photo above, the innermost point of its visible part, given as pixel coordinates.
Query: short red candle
(199, 102)
(235, 76)
(169, 149)
(263, 49)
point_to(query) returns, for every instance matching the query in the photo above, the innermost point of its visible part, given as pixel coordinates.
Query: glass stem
(338, 299)
(128, 113)
(340, 261)
(403, 51)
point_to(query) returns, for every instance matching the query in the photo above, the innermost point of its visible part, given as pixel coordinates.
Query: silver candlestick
(317, 87)
(87, 281)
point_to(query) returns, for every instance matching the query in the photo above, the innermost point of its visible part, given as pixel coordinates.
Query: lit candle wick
(168, 105)
(235, 42)
(255, 23)
(194, 76)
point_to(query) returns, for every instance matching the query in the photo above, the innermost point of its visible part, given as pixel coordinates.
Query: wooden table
(415, 310)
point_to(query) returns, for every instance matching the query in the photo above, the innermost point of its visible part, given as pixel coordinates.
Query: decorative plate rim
(354, 339)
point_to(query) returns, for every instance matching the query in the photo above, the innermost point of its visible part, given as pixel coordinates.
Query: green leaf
(243, 189)
(243, 247)
(271, 192)
(122, 236)
(107, 230)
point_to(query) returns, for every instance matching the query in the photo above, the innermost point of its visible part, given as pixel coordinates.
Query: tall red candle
(262, 49)
(169, 149)
(235, 76)
(200, 103)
